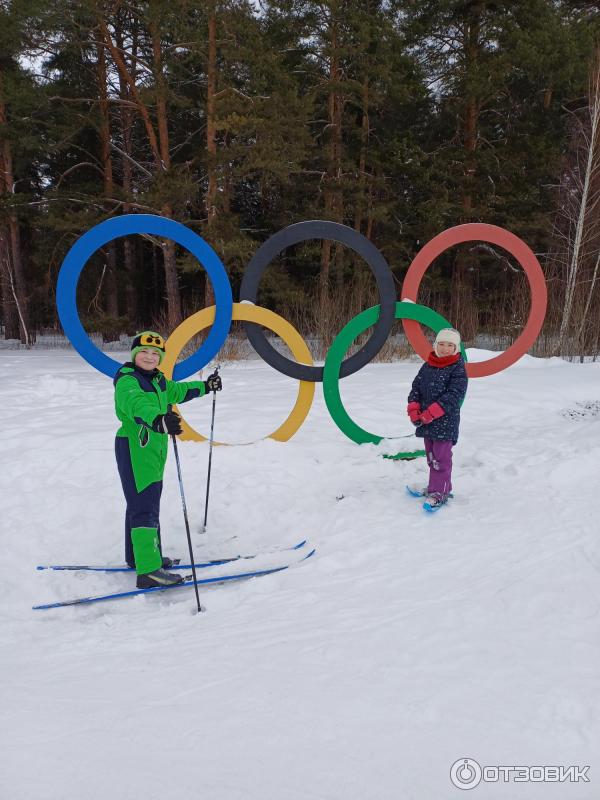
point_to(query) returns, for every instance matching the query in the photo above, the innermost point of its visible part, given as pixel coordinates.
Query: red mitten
(414, 412)
(435, 411)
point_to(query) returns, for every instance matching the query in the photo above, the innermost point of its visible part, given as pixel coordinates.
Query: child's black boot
(158, 578)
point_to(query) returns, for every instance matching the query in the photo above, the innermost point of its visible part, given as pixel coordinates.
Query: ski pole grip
(169, 409)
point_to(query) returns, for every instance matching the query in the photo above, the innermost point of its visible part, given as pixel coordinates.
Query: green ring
(340, 346)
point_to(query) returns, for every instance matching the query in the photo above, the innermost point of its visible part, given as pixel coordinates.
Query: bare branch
(132, 160)
(94, 100)
(77, 166)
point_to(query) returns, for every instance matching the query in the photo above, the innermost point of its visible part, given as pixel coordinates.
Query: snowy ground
(407, 642)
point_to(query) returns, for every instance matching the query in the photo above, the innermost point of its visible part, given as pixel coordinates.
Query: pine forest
(397, 118)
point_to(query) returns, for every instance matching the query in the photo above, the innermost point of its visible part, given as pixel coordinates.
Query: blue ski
(176, 565)
(412, 492)
(202, 582)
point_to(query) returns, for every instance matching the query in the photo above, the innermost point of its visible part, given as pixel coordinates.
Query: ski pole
(210, 448)
(185, 516)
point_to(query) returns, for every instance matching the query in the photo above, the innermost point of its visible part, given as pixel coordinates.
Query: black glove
(213, 383)
(168, 423)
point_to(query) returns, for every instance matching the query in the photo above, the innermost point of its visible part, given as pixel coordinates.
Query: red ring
(479, 231)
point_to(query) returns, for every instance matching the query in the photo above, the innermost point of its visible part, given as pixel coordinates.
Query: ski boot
(435, 501)
(158, 578)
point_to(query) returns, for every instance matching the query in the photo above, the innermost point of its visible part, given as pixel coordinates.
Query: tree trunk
(112, 296)
(332, 194)
(589, 200)
(9, 309)
(159, 146)
(463, 306)
(131, 302)
(13, 265)
(362, 163)
(171, 282)
(119, 60)
(211, 139)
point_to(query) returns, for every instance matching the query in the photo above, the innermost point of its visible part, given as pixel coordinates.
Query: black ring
(320, 229)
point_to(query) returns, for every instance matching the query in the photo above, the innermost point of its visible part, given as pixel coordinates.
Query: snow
(407, 642)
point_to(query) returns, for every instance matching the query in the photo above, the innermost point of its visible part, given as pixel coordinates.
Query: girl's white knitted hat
(448, 335)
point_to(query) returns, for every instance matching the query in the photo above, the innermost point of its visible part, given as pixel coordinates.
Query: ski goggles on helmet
(151, 340)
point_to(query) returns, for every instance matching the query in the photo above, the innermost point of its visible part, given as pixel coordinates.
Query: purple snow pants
(439, 458)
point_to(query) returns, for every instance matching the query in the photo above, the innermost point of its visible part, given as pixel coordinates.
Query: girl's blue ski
(204, 581)
(176, 565)
(412, 492)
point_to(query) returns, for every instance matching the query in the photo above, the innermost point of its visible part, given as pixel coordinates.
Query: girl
(434, 407)
(143, 397)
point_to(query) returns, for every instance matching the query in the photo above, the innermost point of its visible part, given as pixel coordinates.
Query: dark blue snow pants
(143, 508)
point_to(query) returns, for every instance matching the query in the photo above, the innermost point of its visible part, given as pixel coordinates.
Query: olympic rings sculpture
(220, 316)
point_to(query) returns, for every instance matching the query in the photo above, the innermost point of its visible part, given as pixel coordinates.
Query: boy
(143, 397)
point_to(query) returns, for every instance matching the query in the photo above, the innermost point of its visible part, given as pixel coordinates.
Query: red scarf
(436, 361)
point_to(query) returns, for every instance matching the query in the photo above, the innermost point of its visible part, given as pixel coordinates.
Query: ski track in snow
(407, 642)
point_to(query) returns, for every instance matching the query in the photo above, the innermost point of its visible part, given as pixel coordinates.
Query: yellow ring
(247, 313)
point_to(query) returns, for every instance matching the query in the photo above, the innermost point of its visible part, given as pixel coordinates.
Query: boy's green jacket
(140, 397)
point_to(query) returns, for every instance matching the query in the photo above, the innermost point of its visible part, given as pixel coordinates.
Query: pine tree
(501, 73)
(15, 92)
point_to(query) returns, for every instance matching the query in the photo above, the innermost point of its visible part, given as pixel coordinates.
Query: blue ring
(99, 235)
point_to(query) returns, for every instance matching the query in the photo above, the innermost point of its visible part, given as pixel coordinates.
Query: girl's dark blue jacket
(446, 386)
